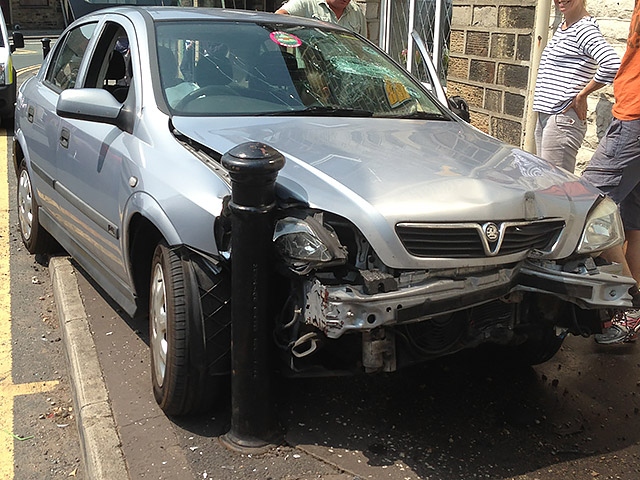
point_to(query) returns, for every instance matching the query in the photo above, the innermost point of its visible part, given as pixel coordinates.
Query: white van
(8, 77)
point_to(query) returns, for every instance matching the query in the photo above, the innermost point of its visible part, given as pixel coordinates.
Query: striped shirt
(569, 62)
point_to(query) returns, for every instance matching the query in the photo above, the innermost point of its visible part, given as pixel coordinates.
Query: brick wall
(489, 62)
(491, 48)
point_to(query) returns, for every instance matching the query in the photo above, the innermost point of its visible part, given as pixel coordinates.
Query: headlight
(603, 228)
(3, 75)
(305, 244)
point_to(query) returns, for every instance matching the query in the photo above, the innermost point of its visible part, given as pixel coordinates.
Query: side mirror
(18, 41)
(95, 105)
(460, 107)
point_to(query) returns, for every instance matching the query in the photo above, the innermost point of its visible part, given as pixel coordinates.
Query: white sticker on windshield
(285, 39)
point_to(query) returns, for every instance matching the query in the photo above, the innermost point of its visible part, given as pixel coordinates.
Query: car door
(423, 69)
(93, 159)
(39, 122)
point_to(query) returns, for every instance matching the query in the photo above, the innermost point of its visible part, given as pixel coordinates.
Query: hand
(579, 104)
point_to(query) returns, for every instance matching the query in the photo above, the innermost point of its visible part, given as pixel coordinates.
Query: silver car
(401, 232)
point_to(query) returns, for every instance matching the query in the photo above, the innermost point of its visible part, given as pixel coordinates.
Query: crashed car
(400, 232)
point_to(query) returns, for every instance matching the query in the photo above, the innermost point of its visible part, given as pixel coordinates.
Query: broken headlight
(306, 244)
(603, 228)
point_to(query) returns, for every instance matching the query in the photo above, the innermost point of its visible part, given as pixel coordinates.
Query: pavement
(102, 438)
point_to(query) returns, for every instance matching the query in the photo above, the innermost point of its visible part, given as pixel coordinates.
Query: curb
(99, 440)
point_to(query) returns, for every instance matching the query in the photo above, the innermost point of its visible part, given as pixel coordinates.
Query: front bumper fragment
(336, 310)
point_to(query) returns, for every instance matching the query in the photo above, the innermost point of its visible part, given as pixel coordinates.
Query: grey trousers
(559, 137)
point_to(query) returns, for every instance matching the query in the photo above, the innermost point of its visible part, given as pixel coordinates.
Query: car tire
(35, 238)
(540, 347)
(183, 382)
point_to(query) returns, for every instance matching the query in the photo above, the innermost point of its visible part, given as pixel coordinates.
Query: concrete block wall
(489, 62)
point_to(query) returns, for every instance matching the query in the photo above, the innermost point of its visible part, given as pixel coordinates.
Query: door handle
(30, 114)
(64, 138)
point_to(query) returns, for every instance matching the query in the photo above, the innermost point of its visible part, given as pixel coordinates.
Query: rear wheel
(181, 375)
(35, 238)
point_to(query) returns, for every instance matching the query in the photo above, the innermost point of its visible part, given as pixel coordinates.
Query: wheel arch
(199, 269)
(143, 237)
(146, 225)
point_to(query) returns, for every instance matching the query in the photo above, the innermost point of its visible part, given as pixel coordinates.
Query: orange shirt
(626, 86)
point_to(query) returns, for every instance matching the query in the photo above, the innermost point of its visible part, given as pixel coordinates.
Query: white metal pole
(385, 28)
(412, 15)
(540, 37)
(437, 33)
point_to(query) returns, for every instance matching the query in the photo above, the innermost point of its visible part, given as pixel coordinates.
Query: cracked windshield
(270, 69)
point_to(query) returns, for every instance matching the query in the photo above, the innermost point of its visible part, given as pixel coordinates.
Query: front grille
(469, 240)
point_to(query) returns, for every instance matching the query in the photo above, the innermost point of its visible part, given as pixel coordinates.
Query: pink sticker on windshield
(285, 39)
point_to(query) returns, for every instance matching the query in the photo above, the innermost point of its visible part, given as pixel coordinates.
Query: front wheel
(181, 375)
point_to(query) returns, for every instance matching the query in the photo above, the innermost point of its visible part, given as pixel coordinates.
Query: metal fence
(431, 19)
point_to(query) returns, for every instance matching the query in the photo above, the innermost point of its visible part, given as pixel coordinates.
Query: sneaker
(632, 322)
(624, 328)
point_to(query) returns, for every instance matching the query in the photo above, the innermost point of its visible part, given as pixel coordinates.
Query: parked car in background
(401, 233)
(8, 77)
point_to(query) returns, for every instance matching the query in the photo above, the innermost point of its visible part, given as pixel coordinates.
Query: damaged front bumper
(336, 310)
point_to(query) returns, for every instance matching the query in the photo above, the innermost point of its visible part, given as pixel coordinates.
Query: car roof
(164, 13)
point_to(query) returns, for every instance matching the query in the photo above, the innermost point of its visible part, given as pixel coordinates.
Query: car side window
(110, 65)
(63, 70)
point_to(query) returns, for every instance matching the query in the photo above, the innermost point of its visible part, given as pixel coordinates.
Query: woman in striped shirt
(576, 62)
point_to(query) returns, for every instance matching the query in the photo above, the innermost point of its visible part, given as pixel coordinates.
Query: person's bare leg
(616, 254)
(616, 330)
(632, 254)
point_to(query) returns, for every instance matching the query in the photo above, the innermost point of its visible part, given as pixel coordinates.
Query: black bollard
(253, 168)
(46, 46)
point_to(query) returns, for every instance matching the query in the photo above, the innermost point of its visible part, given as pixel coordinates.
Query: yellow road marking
(24, 70)
(8, 390)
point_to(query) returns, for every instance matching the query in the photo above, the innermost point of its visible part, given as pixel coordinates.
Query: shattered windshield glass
(234, 68)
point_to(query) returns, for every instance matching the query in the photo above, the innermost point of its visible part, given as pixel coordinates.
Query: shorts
(615, 169)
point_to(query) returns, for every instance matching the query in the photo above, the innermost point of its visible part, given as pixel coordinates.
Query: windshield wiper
(325, 111)
(423, 116)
